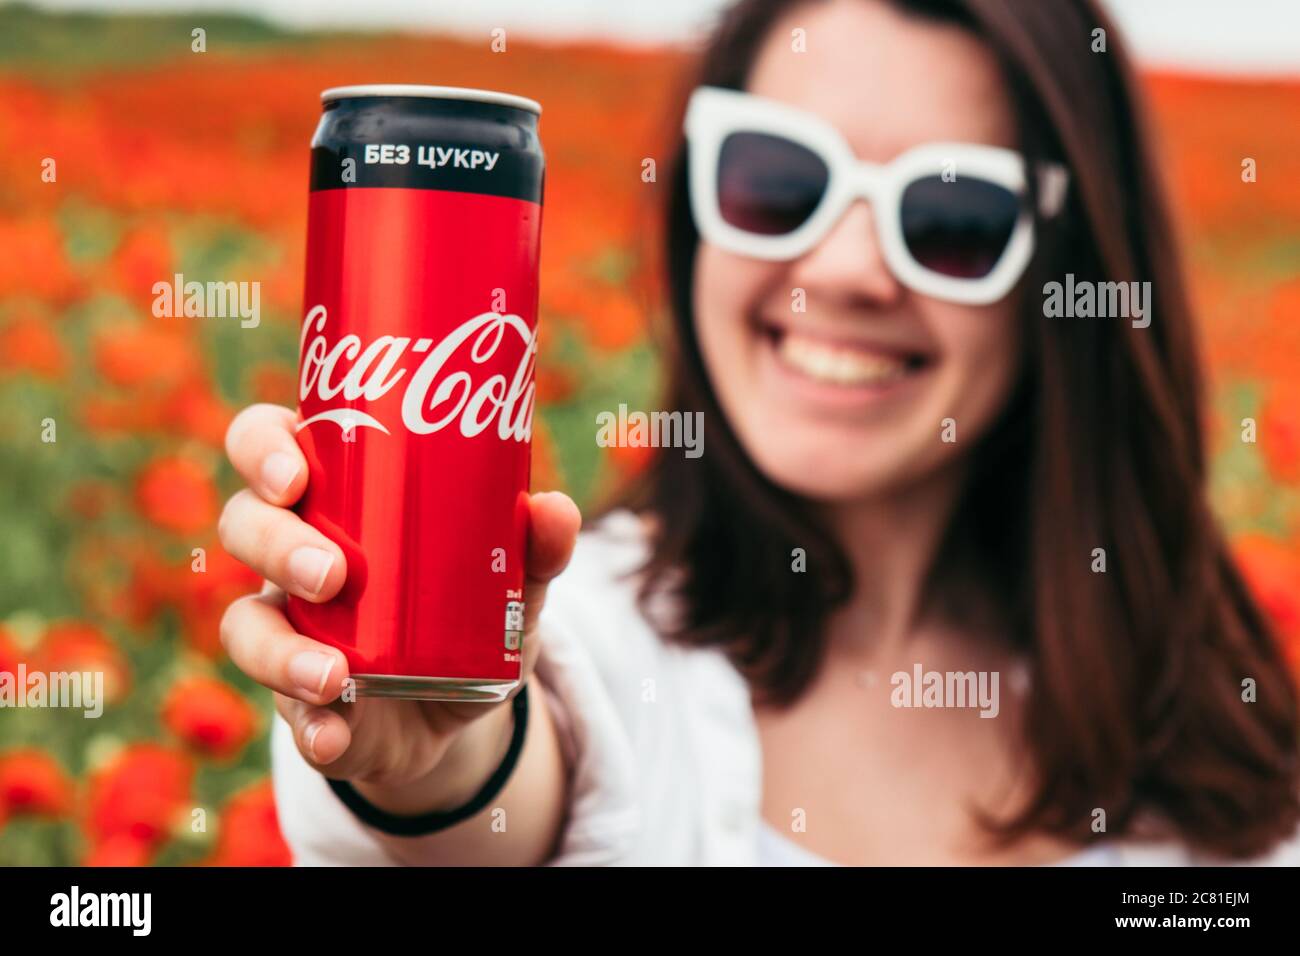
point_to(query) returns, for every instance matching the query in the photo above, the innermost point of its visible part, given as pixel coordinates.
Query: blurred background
(167, 160)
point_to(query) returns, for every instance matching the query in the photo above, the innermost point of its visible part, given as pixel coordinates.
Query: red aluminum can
(416, 359)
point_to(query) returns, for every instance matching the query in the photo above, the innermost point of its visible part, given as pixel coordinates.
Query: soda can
(416, 394)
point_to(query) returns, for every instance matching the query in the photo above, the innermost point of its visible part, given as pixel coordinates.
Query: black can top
(428, 137)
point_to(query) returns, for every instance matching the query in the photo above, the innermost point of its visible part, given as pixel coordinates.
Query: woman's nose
(848, 263)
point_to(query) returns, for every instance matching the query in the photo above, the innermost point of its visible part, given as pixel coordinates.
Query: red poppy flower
(35, 261)
(141, 793)
(210, 716)
(72, 646)
(33, 782)
(177, 494)
(135, 354)
(249, 831)
(29, 344)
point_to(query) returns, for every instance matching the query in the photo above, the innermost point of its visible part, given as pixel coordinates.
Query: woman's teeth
(838, 364)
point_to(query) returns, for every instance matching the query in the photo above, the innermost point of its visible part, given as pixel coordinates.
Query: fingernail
(308, 567)
(310, 670)
(309, 737)
(278, 471)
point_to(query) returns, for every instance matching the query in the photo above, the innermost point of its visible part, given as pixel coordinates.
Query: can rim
(431, 92)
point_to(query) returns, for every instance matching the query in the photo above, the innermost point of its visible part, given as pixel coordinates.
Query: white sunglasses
(769, 181)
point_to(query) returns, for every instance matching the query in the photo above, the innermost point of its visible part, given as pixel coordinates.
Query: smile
(840, 362)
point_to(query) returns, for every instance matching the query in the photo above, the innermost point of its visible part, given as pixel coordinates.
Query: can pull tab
(514, 624)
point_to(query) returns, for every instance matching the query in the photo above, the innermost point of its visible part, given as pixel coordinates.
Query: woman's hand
(405, 756)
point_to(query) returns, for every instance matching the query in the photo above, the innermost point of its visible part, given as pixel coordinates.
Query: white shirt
(775, 849)
(661, 742)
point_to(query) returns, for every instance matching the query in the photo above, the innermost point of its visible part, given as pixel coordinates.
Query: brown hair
(1136, 697)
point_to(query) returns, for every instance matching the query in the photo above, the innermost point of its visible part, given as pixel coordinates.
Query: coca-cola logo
(439, 391)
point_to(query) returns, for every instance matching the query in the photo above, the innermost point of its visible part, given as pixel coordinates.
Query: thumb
(553, 523)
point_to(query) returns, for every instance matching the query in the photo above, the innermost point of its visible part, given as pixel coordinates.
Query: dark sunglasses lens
(958, 228)
(768, 185)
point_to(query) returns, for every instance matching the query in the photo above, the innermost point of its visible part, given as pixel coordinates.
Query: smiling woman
(949, 467)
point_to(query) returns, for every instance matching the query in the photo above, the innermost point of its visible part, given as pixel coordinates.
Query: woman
(943, 589)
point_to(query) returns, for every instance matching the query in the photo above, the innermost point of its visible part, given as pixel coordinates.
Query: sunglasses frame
(715, 113)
